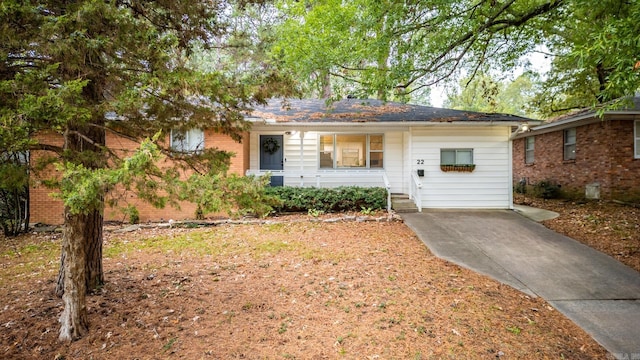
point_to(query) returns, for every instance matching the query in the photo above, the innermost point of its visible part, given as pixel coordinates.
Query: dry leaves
(295, 290)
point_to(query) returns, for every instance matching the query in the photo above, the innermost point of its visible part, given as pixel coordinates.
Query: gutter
(522, 128)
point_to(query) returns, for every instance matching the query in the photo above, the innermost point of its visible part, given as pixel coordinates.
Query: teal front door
(271, 156)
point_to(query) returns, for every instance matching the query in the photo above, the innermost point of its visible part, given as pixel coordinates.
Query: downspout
(510, 146)
(522, 128)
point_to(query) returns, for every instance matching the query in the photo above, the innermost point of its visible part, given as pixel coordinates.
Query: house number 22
(420, 161)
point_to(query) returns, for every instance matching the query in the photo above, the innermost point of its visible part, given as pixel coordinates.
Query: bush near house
(344, 198)
(546, 189)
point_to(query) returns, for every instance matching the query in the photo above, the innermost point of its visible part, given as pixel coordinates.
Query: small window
(376, 147)
(456, 156)
(528, 151)
(187, 141)
(637, 139)
(326, 152)
(570, 144)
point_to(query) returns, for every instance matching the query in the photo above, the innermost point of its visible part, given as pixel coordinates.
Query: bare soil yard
(294, 288)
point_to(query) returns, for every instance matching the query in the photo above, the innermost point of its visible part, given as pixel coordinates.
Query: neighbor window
(528, 151)
(187, 141)
(637, 139)
(570, 144)
(351, 151)
(456, 156)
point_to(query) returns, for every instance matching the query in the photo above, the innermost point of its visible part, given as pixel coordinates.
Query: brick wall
(604, 155)
(45, 209)
(625, 169)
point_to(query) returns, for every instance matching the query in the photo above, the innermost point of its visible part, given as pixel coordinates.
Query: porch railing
(414, 191)
(387, 185)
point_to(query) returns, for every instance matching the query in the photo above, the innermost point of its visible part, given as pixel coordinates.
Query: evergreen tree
(81, 69)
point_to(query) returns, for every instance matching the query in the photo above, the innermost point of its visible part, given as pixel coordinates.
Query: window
(637, 138)
(570, 144)
(351, 151)
(456, 156)
(187, 141)
(376, 147)
(528, 150)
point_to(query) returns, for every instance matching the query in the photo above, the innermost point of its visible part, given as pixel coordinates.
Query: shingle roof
(628, 110)
(632, 107)
(360, 111)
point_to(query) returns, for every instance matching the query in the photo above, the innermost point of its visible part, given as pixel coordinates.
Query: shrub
(340, 199)
(234, 194)
(133, 214)
(546, 189)
(14, 194)
(250, 195)
(521, 186)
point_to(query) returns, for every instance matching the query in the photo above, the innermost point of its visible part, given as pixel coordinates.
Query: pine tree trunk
(74, 319)
(92, 242)
(81, 259)
(94, 220)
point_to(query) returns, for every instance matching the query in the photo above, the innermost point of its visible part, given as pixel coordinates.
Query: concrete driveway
(598, 293)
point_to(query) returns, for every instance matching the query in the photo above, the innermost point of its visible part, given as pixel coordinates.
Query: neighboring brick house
(586, 154)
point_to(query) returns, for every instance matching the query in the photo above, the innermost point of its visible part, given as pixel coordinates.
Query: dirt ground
(296, 287)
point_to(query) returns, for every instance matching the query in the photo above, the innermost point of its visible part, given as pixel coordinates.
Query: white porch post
(301, 158)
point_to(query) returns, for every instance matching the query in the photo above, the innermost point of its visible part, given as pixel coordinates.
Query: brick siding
(604, 155)
(45, 209)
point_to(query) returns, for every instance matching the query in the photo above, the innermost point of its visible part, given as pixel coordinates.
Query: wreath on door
(270, 146)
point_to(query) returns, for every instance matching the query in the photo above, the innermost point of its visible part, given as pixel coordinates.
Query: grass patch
(514, 330)
(29, 260)
(258, 242)
(271, 247)
(169, 344)
(195, 242)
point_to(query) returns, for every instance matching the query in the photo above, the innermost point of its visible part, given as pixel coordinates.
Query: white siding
(297, 163)
(303, 169)
(394, 160)
(488, 186)
(254, 155)
(407, 163)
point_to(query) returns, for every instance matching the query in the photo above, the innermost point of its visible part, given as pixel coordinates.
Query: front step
(402, 204)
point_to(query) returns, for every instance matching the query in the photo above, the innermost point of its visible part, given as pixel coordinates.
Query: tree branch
(491, 26)
(46, 147)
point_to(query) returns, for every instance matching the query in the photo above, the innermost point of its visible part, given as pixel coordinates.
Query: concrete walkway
(598, 293)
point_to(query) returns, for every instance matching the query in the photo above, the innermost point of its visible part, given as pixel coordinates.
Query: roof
(629, 110)
(318, 111)
(626, 107)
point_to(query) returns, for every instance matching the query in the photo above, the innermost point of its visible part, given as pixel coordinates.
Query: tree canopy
(595, 52)
(485, 93)
(394, 49)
